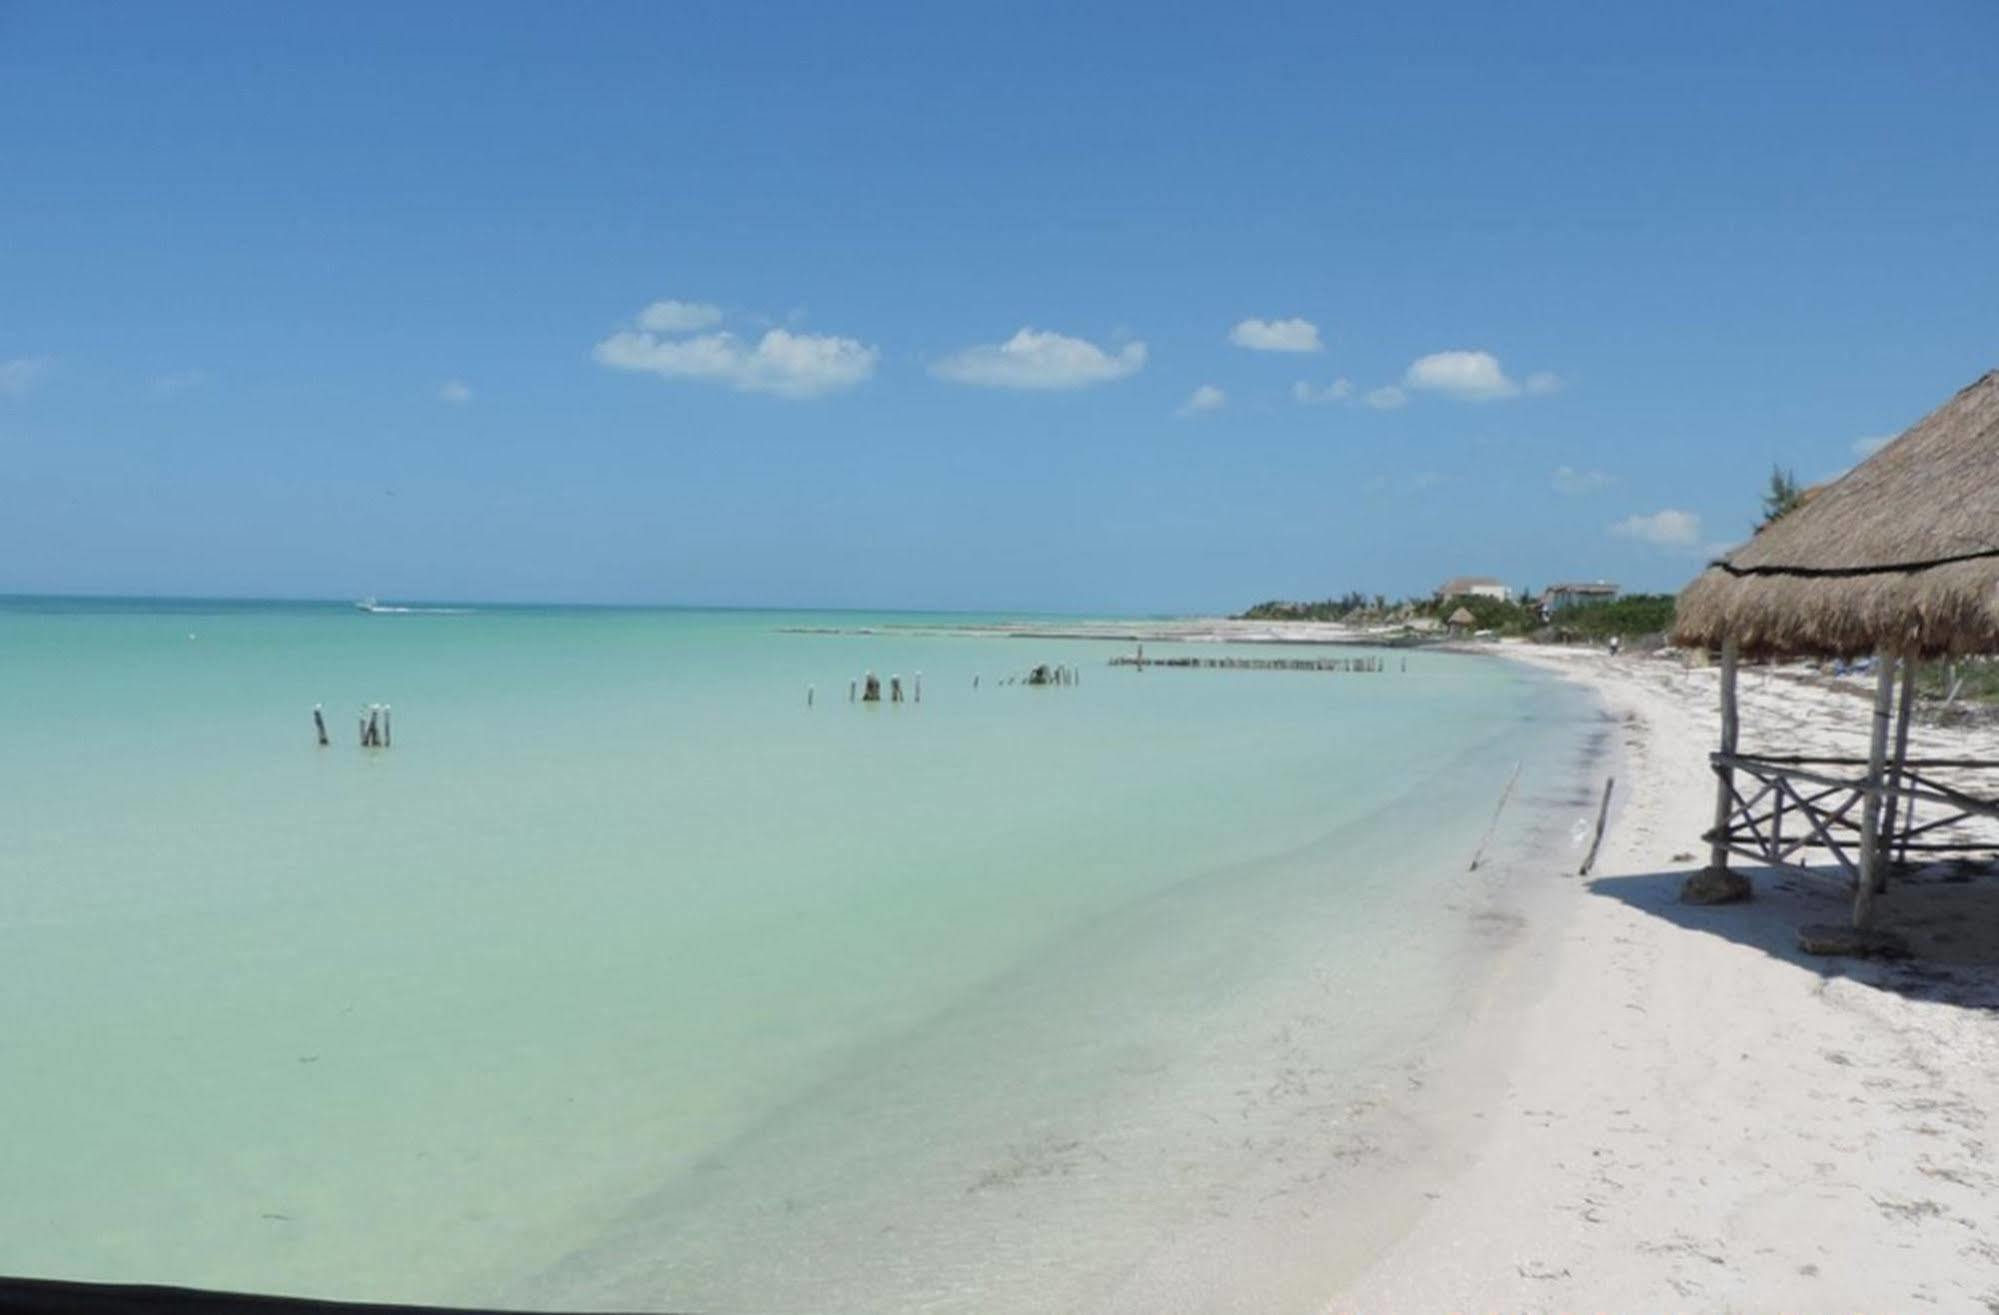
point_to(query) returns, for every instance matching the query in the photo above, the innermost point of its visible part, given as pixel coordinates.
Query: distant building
(1474, 586)
(1557, 596)
(1461, 621)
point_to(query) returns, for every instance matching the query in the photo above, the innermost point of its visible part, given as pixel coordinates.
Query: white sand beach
(1695, 1115)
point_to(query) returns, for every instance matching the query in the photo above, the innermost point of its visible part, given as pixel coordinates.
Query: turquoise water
(625, 978)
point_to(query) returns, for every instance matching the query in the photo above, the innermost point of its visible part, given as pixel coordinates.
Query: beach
(1693, 1114)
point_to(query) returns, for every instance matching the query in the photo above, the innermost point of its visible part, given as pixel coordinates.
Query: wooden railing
(1780, 807)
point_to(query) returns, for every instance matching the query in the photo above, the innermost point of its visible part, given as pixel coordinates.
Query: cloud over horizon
(1474, 377)
(1670, 528)
(780, 362)
(1388, 398)
(1035, 360)
(455, 391)
(1293, 335)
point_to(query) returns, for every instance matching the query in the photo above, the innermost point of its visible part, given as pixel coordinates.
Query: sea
(643, 969)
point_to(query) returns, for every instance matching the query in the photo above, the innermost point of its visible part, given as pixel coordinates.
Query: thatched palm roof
(1900, 553)
(1462, 617)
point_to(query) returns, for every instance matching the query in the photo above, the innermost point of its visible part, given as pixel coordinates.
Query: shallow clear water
(625, 978)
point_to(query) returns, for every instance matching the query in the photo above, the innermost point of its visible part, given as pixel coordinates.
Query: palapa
(1900, 555)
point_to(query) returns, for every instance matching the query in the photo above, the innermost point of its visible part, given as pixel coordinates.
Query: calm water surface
(625, 978)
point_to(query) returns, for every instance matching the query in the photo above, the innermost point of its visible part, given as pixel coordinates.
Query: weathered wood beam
(1725, 785)
(1877, 764)
(1901, 757)
(1715, 884)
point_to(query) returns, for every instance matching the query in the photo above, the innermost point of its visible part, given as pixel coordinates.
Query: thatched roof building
(1461, 618)
(1899, 555)
(1898, 558)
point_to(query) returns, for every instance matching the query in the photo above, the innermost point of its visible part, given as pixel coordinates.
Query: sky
(1071, 308)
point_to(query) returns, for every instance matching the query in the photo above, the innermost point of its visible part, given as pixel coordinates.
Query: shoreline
(1693, 1111)
(1346, 1122)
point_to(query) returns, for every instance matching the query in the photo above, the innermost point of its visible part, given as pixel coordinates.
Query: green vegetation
(1781, 498)
(1629, 617)
(1327, 609)
(1634, 616)
(1966, 681)
(1502, 615)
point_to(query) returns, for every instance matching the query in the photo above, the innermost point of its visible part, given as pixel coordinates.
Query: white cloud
(1292, 335)
(1667, 529)
(455, 391)
(1339, 390)
(1542, 383)
(679, 316)
(20, 374)
(1570, 480)
(1387, 399)
(795, 365)
(1036, 360)
(1205, 398)
(1467, 376)
(177, 382)
(1867, 447)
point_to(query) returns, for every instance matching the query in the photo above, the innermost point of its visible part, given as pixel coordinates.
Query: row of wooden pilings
(373, 726)
(868, 688)
(1354, 664)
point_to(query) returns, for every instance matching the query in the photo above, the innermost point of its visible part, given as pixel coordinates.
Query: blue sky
(843, 306)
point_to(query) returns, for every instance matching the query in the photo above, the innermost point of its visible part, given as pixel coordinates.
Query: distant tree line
(1633, 616)
(1347, 606)
(1630, 617)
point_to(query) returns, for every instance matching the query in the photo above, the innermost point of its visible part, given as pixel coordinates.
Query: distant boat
(369, 605)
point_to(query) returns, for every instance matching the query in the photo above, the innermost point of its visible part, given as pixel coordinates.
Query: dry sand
(1696, 1116)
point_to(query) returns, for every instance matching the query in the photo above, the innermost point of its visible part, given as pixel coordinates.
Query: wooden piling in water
(1602, 812)
(319, 725)
(1479, 853)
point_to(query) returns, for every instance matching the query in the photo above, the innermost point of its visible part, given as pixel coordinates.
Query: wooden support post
(1724, 795)
(1897, 810)
(386, 741)
(1715, 884)
(808, 696)
(1871, 867)
(319, 724)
